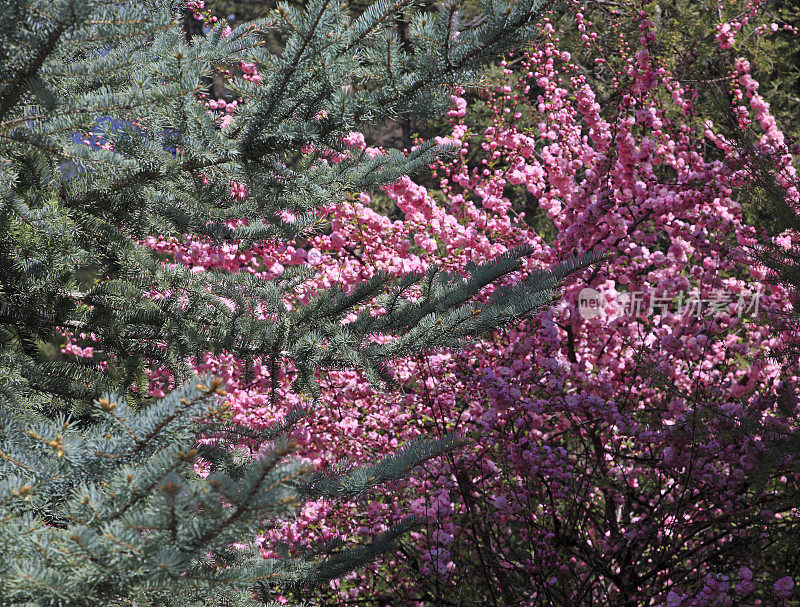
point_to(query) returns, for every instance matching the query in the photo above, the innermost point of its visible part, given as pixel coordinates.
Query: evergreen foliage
(91, 515)
(99, 498)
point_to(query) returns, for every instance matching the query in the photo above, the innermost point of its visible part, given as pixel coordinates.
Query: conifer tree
(98, 495)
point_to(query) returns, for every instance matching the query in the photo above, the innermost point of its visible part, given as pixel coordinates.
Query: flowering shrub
(591, 482)
(624, 450)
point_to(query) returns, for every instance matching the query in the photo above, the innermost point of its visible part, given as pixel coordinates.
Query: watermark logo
(593, 304)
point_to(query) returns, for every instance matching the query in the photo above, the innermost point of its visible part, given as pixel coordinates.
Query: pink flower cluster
(72, 348)
(728, 30)
(250, 72)
(201, 13)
